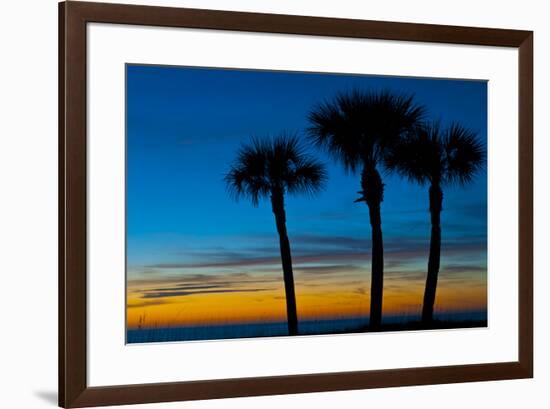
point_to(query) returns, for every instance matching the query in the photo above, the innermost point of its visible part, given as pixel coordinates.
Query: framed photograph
(254, 204)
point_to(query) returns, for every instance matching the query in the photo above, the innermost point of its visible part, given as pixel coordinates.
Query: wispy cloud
(193, 284)
(231, 261)
(332, 241)
(147, 304)
(328, 269)
(185, 287)
(333, 250)
(461, 268)
(165, 294)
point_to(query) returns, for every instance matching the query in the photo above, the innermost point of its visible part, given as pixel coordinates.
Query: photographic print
(267, 203)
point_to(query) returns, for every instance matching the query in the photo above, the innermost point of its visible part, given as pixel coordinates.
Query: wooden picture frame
(73, 388)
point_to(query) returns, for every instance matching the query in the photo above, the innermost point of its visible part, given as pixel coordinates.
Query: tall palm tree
(357, 128)
(437, 157)
(272, 168)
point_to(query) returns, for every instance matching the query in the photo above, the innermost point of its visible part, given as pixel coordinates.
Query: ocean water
(310, 327)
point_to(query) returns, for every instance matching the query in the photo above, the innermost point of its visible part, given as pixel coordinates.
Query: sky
(196, 256)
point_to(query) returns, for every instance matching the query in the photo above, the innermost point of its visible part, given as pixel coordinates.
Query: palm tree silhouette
(273, 168)
(435, 157)
(357, 128)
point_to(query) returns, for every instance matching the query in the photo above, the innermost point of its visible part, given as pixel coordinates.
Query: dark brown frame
(73, 388)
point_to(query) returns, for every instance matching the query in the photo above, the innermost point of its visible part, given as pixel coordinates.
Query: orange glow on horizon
(325, 301)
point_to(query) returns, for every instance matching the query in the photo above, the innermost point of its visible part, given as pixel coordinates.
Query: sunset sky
(195, 256)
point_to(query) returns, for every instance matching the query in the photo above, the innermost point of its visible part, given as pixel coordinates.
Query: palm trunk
(278, 207)
(373, 194)
(436, 201)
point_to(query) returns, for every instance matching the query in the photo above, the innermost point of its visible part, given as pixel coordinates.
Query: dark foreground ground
(417, 326)
(313, 327)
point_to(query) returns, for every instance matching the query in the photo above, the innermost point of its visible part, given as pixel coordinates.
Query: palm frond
(332, 130)
(308, 176)
(274, 164)
(247, 177)
(281, 152)
(464, 154)
(357, 127)
(418, 155)
(431, 154)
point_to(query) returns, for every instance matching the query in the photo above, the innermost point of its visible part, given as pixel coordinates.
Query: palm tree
(435, 157)
(357, 128)
(273, 168)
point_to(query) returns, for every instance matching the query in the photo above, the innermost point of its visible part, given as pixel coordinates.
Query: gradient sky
(195, 256)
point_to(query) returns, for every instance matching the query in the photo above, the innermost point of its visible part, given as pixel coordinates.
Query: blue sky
(184, 127)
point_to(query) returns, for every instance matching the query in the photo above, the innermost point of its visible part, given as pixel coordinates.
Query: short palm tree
(357, 128)
(436, 157)
(273, 168)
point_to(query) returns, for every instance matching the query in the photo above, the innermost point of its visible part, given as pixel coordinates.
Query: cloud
(218, 252)
(461, 282)
(202, 284)
(164, 294)
(328, 269)
(314, 257)
(214, 286)
(453, 272)
(183, 287)
(193, 281)
(332, 241)
(318, 255)
(146, 304)
(236, 261)
(407, 275)
(463, 268)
